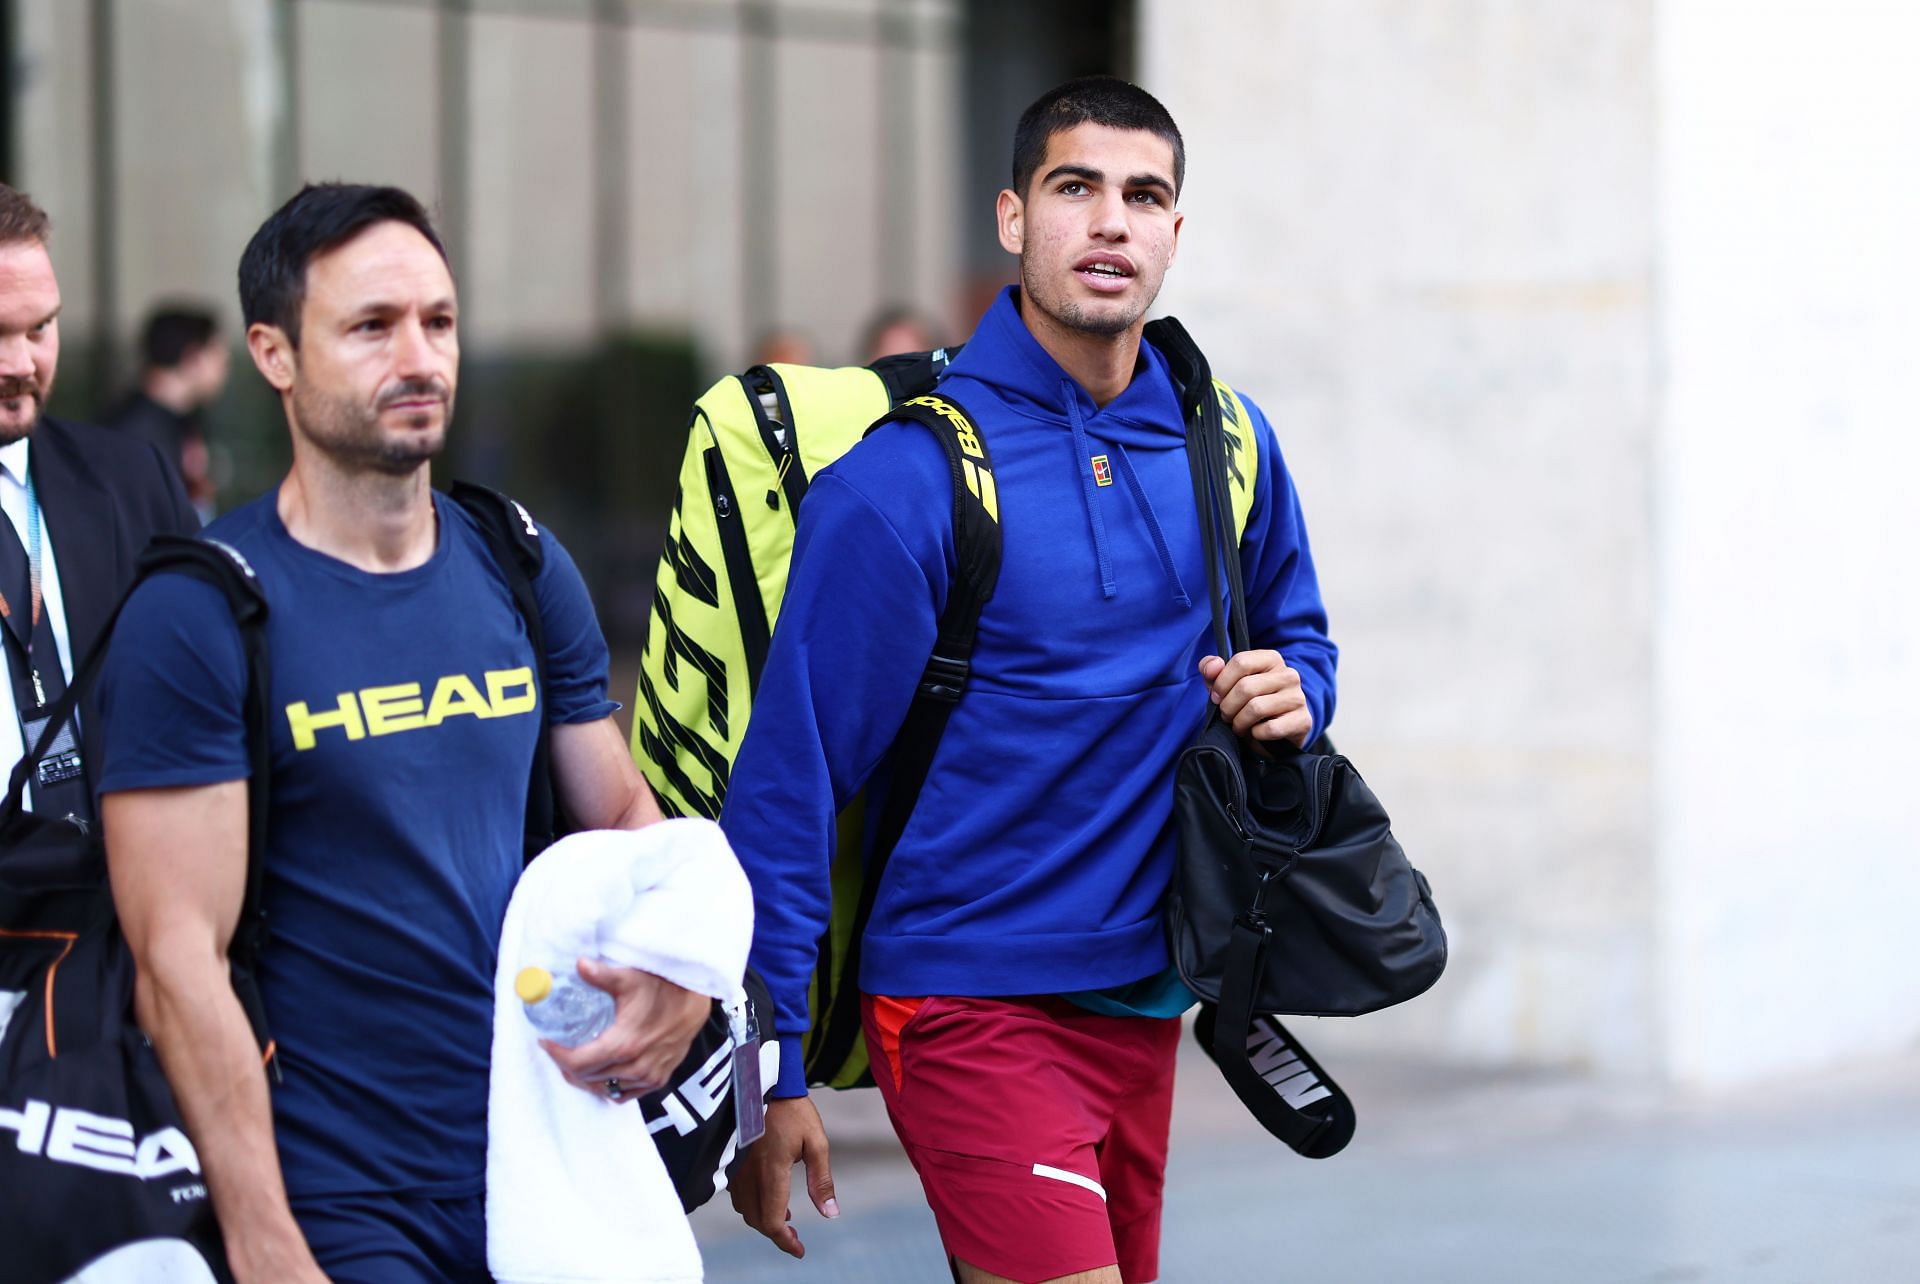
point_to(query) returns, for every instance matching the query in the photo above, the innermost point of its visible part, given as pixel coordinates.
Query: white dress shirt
(13, 498)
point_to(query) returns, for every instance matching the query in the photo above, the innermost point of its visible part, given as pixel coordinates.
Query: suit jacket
(103, 495)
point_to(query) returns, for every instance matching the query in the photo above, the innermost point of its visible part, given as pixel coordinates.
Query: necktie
(33, 661)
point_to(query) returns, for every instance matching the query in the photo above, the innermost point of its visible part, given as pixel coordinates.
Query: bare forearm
(597, 779)
(642, 808)
(208, 1051)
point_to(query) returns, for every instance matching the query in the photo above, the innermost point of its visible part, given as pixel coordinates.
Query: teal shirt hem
(1161, 995)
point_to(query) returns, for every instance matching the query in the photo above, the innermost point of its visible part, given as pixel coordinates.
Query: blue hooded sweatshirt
(1040, 850)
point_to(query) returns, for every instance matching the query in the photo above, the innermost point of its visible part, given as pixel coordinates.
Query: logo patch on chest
(1102, 471)
(382, 711)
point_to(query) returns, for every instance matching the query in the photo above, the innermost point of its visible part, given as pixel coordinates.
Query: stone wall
(1588, 331)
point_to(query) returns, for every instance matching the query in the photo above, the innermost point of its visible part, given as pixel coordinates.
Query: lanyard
(36, 540)
(36, 527)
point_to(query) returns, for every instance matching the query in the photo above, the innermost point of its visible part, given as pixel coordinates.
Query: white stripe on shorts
(1072, 1179)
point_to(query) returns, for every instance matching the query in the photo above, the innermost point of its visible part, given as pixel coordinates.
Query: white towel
(575, 1189)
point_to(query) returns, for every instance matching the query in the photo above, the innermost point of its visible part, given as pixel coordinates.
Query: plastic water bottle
(564, 1008)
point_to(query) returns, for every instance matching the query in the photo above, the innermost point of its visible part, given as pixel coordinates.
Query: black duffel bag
(1290, 894)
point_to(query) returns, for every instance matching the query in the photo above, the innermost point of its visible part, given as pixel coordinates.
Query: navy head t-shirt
(405, 710)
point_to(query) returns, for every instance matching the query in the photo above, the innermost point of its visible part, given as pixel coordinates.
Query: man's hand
(761, 1184)
(654, 1022)
(1259, 696)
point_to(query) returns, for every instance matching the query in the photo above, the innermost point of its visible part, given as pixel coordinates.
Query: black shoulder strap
(514, 540)
(226, 569)
(976, 543)
(1206, 463)
(223, 567)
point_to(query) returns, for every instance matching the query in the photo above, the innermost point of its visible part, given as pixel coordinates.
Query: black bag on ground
(98, 1170)
(1290, 893)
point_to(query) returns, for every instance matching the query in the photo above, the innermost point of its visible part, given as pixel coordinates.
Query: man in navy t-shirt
(405, 710)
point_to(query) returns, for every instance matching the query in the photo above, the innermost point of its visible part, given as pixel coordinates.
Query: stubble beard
(27, 390)
(351, 436)
(1075, 315)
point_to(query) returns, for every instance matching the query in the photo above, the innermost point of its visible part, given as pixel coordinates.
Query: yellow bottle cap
(533, 984)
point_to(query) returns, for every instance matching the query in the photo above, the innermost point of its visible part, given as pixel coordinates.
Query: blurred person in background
(783, 347)
(183, 370)
(1020, 1008)
(894, 330)
(80, 504)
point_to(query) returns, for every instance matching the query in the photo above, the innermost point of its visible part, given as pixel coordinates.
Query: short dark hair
(20, 219)
(174, 332)
(320, 217)
(1091, 100)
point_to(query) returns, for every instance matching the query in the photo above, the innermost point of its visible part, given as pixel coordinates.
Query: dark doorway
(1015, 50)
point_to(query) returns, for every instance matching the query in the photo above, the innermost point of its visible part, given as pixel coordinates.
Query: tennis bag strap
(976, 544)
(514, 540)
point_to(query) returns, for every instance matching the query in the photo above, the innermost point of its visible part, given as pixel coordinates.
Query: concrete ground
(1456, 1176)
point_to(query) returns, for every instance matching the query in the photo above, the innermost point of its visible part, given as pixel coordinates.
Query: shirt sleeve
(173, 690)
(576, 649)
(1284, 610)
(857, 623)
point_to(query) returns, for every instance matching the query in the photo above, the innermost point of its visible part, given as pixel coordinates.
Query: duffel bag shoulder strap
(1240, 448)
(976, 542)
(514, 540)
(1278, 1081)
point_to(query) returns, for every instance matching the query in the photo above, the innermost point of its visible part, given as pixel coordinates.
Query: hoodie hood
(1003, 355)
(1006, 360)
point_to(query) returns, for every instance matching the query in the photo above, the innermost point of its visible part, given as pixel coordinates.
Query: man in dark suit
(80, 504)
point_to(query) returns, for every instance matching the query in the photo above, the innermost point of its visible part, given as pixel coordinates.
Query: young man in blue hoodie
(1020, 1007)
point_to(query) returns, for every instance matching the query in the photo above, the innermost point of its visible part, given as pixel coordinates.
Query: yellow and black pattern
(753, 442)
(1243, 454)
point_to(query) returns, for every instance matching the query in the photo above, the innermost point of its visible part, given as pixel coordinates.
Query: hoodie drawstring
(1084, 453)
(1153, 525)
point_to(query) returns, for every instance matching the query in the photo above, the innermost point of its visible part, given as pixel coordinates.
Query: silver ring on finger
(614, 1089)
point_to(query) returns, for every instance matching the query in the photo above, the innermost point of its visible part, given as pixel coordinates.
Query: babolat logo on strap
(973, 462)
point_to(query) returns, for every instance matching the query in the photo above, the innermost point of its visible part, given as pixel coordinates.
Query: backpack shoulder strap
(225, 568)
(976, 541)
(514, 540)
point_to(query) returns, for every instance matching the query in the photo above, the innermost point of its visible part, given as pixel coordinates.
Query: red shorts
(1038, 1128)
